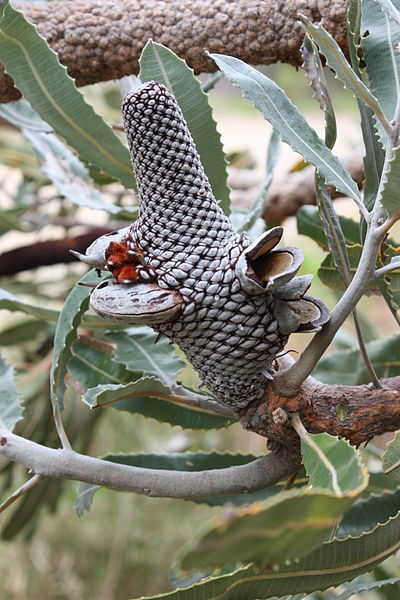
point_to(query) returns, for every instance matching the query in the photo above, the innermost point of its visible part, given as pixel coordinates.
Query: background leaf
(348, 367)
(62, 167)
(330, 565)
(159, 63)
(10, 405)
(44, 82)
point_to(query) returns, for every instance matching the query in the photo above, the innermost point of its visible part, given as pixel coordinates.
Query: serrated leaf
(44, 82)
(332, 464)
(366, 586)
(287, 526)
(93, 363)
(10, 399)
(353, 32)
(62, 167)
(286, 119)
(70, 318)
(391, 458)
(161, 64)
(22, 332)
(330, 565)
(149, 397)
(348, 366)
(315, 73)
(136, 348)
(389, 194)
(366, 514)
(337, 61)
(382, 60)
(185, 461)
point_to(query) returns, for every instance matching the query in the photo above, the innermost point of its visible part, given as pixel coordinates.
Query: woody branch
(99, 41)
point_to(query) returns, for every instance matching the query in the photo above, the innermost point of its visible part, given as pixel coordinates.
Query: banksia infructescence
(228, 303)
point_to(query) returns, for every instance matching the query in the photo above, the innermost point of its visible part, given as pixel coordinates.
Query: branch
(103, 41)
(50, 252)
(67, 464)
(356, 413)
(287, 382)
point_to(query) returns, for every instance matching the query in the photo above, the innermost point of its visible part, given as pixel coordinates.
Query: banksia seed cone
(229, 304)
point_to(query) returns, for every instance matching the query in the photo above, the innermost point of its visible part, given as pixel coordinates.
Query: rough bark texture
(357, 413)
(100, 40)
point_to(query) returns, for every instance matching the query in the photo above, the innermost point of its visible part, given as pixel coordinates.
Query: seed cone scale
(235, 301)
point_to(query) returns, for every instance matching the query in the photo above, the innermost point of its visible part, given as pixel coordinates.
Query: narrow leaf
(315, 73)
(366, 514)
(286, 119)
(70, 318)
(380, 36)
(309, 223)
(337, 61)
(389, 194)
(159, 63)
(45, 83)
(366, 586)
(149, 397)
(10, 399)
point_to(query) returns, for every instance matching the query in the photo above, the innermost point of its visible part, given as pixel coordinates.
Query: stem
(287, 382)
(364, 353)
(60, 429)
(393, 266)
(28, 485)
(66, 464)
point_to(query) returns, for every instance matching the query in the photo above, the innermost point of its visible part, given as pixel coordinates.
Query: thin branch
(66, 464)
(393, 266)
(363, 351)
(28, 485)
(287, 382)
(199, 401)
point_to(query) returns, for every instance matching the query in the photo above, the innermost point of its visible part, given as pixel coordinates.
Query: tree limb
(99, 40)
(66, 464)
(49, 252)
(356, 413)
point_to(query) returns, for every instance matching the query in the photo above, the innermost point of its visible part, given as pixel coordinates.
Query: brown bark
(356, 413)
(50, 252)
(100, 40)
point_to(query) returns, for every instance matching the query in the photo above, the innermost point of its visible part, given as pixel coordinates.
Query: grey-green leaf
(391, 458)
(151, 398)
(136, 348)
(161, 64)
(44, 82)
(10, 405)
(287, 120)
(70, 317)
(337, 61)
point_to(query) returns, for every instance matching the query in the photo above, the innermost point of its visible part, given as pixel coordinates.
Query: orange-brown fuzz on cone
(122, 263)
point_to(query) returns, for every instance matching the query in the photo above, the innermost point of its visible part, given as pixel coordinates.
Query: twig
(66, 464)
(28, 485)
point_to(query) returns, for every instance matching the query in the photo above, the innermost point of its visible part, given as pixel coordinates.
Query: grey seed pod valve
(228, 303)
